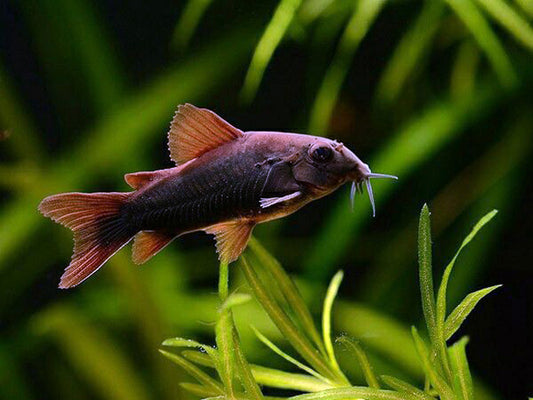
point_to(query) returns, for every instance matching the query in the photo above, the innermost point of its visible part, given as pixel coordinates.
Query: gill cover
(304, 171)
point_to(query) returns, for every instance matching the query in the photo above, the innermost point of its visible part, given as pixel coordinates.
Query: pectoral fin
(231, 238)
(270, 201)
(147, 244)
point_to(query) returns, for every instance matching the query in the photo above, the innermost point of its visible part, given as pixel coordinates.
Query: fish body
(229, 183)
(226, 182)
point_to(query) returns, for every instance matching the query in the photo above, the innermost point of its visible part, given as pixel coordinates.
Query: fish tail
(98, 226)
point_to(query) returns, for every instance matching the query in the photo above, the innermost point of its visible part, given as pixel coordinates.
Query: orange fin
(147, 244)
(195, 131)
(232, 238)
(138, 180)
(98, 229)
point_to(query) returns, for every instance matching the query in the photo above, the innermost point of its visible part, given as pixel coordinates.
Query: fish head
(318, 165)
(326, 164)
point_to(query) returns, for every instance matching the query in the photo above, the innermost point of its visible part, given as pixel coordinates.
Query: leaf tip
(165, 353)
(414, 331)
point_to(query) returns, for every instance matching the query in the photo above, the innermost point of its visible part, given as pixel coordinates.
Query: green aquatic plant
(445, 366)
(355, 20)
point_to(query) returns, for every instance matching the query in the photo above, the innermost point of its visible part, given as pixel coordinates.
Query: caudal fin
(99, 231)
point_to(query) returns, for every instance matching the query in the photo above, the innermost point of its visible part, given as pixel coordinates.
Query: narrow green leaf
(311, 10)
(438, 382)
(380, 333)
(276, 29)
(362, 19)
(297, 339)
(486, 38)
(209, 353)
(287, 380)
(504, 14)
(354, 392)
(268, 376)
(289, 290)
(195, 372)
(198, 358)
(465, 69)
(287, 357)
(326, 317)
(441, 296)
(440, 342)
(199, 390)
(403, 386)
(189, 20)
(527, 6)
(181, 342)
(362, 359)
(426, 273)
(244, 370)
(235, 299)
(409, 52)
(461, 372)
(459, 314)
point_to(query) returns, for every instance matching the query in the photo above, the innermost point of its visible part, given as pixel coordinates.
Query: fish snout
(362, 176)
(361, 172)
(357, 169)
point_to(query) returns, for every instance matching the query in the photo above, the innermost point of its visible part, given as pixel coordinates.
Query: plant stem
(223, 281)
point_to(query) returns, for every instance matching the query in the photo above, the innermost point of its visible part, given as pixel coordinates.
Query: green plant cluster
(446, 369)
(436, 92)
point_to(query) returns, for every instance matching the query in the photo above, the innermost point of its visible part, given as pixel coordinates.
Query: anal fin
(147, 244)
(231, 238)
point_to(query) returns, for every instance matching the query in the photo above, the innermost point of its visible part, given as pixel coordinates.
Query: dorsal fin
(231, 237)
(195, 131)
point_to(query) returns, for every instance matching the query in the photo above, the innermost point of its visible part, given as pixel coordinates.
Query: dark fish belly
(197, 199)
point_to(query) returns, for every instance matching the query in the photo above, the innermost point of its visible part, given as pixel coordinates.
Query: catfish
(225, 182)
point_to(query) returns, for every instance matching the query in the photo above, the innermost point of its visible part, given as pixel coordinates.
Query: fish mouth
(357, 186)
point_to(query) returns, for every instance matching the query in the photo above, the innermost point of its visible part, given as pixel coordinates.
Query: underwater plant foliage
(444, 366)
(435, 92)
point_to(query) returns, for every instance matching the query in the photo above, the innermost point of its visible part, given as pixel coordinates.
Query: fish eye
(322, 154)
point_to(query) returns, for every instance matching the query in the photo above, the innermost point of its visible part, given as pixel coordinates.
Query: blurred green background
(436, 92)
